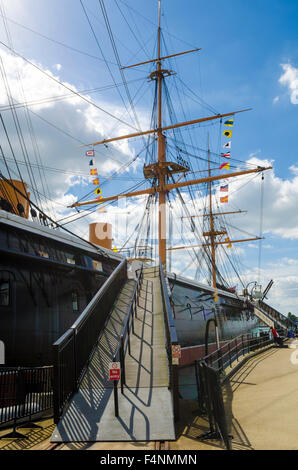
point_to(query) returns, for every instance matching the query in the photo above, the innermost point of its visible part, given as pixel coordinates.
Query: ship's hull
(46, 281)
(193, 305)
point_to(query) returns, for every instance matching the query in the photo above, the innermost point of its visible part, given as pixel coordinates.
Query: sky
(248, 59)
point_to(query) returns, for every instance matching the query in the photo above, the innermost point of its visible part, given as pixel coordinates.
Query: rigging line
(216, 154)
(184, 207)
(111, 36)
(155, 24)
(132, 31)
(240, 230)
(34, 143)
(235, 270)
(8, 170)
(261, 227)
(120, 170)
(204, 150)
(54, 40)
(67, 87)
(200, 100)
(101, 51)
(18, 131)
(52, 99)
(112, 202)
(67, 172)
(11, 149)
(53, 221)
(66, 133)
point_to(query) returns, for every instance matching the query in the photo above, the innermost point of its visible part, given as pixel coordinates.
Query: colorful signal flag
(97, 192)
(225, 166)
(92, 162)
(229, 245)
(93, 171)
(95, 182)
(227, 145)
(224, 200)
(224, 188)
(226, 155)
(90, 153)
(229, 123)
(227, 133)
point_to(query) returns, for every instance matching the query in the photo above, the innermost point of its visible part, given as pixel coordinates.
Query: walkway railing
(275, 314)
(73, 350)
(232, 350)
(24, 392)
(209, 377)
(124, 344)
(171, 340)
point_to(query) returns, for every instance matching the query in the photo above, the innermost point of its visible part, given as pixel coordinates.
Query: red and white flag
(90, 153)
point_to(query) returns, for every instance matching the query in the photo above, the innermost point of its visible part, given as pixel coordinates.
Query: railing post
(56, 385)
(116, 399)
(242, 345)
(175, 392)
(122, 364)
(230, 360)
(237, 349)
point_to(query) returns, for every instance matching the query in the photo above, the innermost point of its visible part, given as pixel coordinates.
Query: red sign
(176, 351)
(114, 371)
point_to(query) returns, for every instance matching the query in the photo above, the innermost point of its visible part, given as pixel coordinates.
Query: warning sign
(114, 371)
(176, 351)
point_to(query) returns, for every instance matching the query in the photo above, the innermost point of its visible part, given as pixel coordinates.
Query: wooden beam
(215, 213)
(216, 243)
(113, 198)
(169, 187)
(161, 58)
(167, 128)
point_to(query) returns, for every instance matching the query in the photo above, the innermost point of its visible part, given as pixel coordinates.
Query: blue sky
(249, 58)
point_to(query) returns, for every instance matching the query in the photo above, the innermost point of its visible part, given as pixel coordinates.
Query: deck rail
(232, 350)
(127, 329)
(72, 351)
(171, 340)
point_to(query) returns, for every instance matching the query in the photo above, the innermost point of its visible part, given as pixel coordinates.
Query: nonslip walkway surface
(145, 408)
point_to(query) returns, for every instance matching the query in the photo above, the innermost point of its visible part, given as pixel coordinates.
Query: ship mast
(161, 169)
(162, 229)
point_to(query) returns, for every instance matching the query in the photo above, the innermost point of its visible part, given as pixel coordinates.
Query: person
(276, 336)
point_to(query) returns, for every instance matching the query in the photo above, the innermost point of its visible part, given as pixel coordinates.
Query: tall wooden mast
(161, 157)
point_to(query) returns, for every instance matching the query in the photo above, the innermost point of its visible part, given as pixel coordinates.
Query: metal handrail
(172, 339)
(72, 351)
(241, 344)
(125, 333)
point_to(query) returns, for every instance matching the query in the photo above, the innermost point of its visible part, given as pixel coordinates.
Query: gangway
(267, 317)
(139, 328)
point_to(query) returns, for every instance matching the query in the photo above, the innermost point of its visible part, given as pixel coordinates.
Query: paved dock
(145, 408)
(261, 403)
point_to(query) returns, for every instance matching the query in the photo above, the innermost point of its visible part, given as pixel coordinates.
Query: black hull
(193, 306)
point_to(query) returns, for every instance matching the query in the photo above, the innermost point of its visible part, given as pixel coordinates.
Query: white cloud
(276, 99)
(290, 80)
